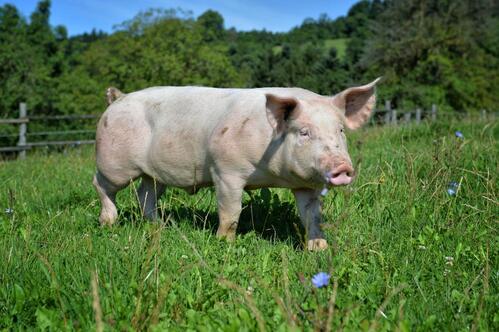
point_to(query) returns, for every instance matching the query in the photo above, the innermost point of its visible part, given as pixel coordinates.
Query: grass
(340, 44)
(404, 254)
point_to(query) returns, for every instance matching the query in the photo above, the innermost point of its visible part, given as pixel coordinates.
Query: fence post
(418, 116)
(394, 117)
(433, 112)
(484, 115)
(388, 108)
(22, 130)
(407, 117)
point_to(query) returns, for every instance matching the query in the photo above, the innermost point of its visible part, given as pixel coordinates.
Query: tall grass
(404, 254)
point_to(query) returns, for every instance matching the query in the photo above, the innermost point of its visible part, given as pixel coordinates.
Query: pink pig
(233, 139)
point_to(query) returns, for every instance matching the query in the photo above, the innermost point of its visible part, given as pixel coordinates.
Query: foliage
(404, 253)
(439, 52)
(430, 52)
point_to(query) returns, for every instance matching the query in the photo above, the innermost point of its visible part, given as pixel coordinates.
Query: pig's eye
(304, 132)
(342, 130)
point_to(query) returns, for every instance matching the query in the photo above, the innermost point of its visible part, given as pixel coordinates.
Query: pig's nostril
(335, 175)
(342, 170)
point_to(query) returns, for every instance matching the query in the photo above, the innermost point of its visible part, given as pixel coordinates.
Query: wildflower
(321, 279)
(328, 176)
(449, 260)
(250, 290)
(9, 211)
(459, 134)
(324, 192)
(184, 256)
(452, 188)
(422, 247)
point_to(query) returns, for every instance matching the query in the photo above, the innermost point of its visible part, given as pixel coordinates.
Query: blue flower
(321, 279)
(452, 189)
(459, 134)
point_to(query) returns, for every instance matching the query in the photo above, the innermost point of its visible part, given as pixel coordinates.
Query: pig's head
(312, 133)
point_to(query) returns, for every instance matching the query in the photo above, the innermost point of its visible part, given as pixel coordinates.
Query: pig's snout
(340, 176)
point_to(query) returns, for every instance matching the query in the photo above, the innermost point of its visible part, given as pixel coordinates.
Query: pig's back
(180, 122)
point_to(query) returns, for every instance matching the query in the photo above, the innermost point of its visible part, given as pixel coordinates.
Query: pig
(233, 139)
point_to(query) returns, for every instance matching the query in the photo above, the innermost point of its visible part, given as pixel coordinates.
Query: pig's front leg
(309, 207)
(229, 194)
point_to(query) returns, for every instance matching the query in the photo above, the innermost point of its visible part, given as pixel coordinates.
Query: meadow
(405, 254)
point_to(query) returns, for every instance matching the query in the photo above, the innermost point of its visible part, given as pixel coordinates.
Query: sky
(80, 16)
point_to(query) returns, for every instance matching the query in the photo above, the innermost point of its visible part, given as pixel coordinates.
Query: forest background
(429, 52)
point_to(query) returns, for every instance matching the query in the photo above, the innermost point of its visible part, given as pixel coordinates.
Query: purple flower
(321, 279)
(459, 134)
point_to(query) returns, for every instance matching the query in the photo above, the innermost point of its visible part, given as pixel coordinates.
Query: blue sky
(275, 15)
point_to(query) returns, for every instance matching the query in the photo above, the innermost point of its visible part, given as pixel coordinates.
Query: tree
(15, 70)
(211, 24)
(433, 52)
(171, 51)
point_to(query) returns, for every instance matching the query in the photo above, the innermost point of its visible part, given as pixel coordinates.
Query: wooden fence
(24, 120)
(386, 116)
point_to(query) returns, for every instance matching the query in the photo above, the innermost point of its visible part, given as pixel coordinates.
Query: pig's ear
(357, 103)
(280, 110)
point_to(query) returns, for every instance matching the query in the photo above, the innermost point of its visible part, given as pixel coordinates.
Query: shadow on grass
(263, 213)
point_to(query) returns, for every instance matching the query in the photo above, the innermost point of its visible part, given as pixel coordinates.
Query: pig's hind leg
(148, 194)
(107, 194)
(229, 195)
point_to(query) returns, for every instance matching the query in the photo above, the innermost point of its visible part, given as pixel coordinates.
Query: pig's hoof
(227, 236)
(317, 245)
(107, 219)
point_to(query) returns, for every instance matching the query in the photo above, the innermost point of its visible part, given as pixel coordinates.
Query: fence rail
(386, 116)
(24, 120)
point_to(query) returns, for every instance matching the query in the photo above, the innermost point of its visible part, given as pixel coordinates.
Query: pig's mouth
(340, 176)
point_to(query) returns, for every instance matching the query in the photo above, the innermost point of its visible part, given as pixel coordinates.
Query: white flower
(449, 260)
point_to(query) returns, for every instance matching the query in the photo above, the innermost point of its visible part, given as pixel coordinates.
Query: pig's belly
(179, 163)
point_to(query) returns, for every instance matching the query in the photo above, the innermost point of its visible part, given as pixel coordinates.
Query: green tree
(433, 52)
(14, 69)
(139, 56)
(212, 26)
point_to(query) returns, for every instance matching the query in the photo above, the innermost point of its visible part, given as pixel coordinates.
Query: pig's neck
(277, 160)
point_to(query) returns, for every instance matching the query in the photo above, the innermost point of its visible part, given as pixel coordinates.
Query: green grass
(340, 44)
(392, 234)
